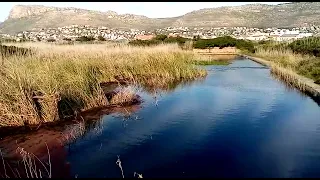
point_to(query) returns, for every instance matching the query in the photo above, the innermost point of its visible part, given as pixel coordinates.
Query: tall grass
(287, 63)
(56, 79)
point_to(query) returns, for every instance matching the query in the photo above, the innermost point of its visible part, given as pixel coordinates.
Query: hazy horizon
(149, 9)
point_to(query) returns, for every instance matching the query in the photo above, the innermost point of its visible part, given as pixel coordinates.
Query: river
(237, 122)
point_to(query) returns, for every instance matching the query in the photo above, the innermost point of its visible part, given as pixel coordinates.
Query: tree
(100, 38)
(67, 39)
(196, 38)
(51, 40)
(161, 37)
(85, 38)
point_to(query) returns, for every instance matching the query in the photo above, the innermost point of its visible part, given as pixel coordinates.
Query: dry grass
(33, 167)
(211, 59)
(73, 132)
(285, 57)
(287, 65)
(36, 88)
(124, 95)
(289, 76)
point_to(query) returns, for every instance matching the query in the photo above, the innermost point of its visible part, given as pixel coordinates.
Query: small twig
(11, 170)
(18, 172)
(49, 160)
(139, 175)
(4, 166)
(119, 164)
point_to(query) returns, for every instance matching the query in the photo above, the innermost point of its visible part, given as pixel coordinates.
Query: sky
(149, 9)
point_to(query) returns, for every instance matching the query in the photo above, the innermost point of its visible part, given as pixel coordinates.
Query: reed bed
(205, 59)
(56, 79)
(288, 64)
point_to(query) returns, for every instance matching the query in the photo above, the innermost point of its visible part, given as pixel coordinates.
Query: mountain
(23, 17)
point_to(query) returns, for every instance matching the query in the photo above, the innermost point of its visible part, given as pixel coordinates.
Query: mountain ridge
(27, 17)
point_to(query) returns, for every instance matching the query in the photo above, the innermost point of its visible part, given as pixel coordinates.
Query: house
(257, 37)
(209, 37)
(274, 37)
(288, 37)
(302, 35)
(173, 35)
(144, 37)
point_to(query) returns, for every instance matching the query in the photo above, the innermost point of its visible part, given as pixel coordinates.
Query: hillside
(23, 17)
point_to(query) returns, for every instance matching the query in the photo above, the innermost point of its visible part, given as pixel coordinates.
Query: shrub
(100, 38)
(225, 41)
(51, 40)
(67, 39)
(161, 38)
(85, 38)
(309, 46)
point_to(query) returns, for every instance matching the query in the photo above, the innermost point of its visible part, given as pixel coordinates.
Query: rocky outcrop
(296, 14)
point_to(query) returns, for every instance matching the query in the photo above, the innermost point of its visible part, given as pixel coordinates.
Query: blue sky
(149, 9)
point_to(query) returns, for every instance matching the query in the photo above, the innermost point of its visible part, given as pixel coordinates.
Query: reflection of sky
(241, 119)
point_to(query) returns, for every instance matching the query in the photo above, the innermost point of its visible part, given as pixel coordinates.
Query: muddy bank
(51, 139)
(111, 89)
(310, 87)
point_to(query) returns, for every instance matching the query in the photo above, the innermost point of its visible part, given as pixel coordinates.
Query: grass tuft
(58, 79)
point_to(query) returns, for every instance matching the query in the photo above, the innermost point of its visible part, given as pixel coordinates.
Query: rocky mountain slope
(23, 17)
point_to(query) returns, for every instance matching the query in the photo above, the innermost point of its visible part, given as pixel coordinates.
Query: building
(288, 37)
(257, 37)
(144, 37)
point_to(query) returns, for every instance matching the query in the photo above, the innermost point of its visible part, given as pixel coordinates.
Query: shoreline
(311, 88)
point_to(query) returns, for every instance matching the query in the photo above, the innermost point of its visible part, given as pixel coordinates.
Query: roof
(289, 35)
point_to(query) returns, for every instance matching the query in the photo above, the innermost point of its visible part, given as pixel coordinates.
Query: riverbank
(302, 83)
(57, 81)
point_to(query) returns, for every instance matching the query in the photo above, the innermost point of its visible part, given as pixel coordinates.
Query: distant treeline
(158, 39)
(225, 41)
(220, 42)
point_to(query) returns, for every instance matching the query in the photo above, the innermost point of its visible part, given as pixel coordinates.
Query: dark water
(238, 122)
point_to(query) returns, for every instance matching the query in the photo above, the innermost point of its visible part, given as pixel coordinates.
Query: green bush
(85, 38)
(100, 38)
(139, 42)
(225, 41)
(161, 38)
(51, 40)
(309, 46)
(67, 39)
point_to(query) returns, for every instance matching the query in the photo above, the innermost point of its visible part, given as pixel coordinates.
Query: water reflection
(237, 122)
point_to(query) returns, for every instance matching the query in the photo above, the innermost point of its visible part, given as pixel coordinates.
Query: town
(73, 32)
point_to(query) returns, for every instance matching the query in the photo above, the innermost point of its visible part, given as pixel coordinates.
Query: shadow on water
(290, 87)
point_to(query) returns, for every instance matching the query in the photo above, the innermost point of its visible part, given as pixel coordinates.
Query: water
(238, 122)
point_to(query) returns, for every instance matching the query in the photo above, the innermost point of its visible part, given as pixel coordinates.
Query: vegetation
(225, 41)
(201, 59)
(100, 38)
(159, 39)
(309, 46)
(57, 81)
(300, 56)
(51, 40)
(212, 62)
(3, 40)
(85, 38)
(67, 39)
(13, 50)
